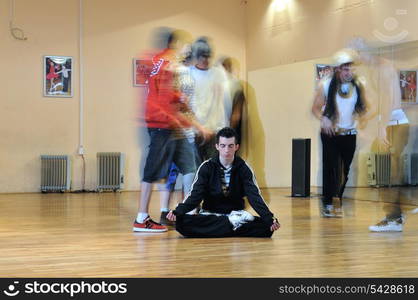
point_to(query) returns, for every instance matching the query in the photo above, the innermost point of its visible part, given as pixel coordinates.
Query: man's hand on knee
(275, 225)
(171, 216)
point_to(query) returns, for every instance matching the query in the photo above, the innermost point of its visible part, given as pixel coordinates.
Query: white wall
(114, 33)
(282, 50)
(278, 49)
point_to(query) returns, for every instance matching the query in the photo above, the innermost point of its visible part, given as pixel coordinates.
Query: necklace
(345, 90)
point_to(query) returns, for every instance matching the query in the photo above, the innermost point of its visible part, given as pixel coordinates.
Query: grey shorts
(164, 150)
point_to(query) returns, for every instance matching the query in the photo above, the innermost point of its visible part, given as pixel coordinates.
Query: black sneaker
(165, 221)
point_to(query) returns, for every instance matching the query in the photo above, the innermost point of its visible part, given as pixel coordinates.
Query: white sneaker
(239, 217)
(328, 211)
(395, 225)
(338, 212)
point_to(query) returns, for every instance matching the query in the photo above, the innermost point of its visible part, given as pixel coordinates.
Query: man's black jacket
(207, 186)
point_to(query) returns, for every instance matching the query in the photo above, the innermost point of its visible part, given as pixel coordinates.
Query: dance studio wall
(282, 50)
(281, 99)
(306, 29)
(114, 33)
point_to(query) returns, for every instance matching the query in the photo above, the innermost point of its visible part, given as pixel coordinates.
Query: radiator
(110, 171)
(55, 173)
(411, 168)
(378, 169)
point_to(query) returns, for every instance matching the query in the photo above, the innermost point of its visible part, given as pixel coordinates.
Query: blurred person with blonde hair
(393, 124)
(236, 89)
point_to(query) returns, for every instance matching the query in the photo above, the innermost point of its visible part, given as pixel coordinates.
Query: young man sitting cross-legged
(221, 183)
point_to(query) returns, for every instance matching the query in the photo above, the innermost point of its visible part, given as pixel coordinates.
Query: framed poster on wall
(142, 70)
(57, 76)
(408, 84)
(323, 71)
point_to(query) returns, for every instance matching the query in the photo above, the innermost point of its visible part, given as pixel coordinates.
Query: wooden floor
(90, 235)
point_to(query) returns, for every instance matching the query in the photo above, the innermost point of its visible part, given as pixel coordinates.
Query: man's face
(203, 62)
(346, 72)
(227, 147)
(327, 71)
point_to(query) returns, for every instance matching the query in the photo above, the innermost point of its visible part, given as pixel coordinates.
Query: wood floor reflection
(90, 235)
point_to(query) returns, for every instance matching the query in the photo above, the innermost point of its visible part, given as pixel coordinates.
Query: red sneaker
(149, 226)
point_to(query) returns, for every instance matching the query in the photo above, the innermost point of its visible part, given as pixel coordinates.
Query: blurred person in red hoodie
(166, 115)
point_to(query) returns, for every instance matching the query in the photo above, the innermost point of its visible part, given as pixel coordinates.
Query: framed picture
(408, 84)
(323, 70)
(142, 70)
(57, 76)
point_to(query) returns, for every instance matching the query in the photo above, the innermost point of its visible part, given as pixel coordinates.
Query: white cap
(345, 56)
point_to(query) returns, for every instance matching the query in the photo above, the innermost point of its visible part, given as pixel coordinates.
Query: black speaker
(301, 167)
